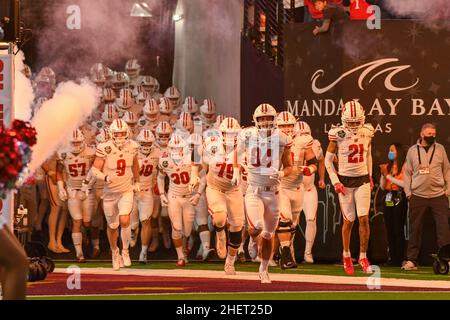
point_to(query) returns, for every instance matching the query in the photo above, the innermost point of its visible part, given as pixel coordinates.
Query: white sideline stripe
(436, 284)
(222, 293)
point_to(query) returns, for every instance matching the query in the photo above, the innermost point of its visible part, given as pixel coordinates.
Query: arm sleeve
(329, 157)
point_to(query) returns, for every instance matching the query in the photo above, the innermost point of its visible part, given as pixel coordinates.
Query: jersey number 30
(357, 153)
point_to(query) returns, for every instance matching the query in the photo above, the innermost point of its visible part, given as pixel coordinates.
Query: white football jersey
(263, 155)
(299, 144)
(76, 167)
(118, 165)
(148, 167)
(179, 174)
(352, 149)
(220, 164)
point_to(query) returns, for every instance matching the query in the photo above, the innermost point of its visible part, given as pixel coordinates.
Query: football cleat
(348, 265)
(126, 258)
(143, 257)
(272, 263)
(229, 269)
(221, 244)
(81, 259)
(116, 259)
(207, 253)
(264, 277)
(308, 257)
(181, 263)
(365, 265)
(286, 261)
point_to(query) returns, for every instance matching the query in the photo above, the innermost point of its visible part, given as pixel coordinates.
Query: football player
(176, 164)
(132, 121)
(166, 111)
(117, 164)
(119, 81)
(225, 199)
(160, 217)
(173, 94)
(208, 114)
(148, 164)
(151, 117)
(351, 141)
(310, 197)
(125, 102)
(74, 164)
(304, 164)
(151, 85)
(190, 105)
(266, 149)
(133, 69)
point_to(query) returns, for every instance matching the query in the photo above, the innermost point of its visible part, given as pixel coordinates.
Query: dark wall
(261, 81)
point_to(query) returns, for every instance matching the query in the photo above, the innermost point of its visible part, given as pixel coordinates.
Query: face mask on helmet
(76, 147)
(152, 117)
(146, 147)
(287, 129)
(119, 138)
(177, 153)
(163, 139)
(229, 138)
(353, 125)
(265, 122)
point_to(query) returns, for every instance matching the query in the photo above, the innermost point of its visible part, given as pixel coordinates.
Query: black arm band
(312, 161)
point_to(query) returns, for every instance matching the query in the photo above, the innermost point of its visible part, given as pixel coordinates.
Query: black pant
(395, 220)
(418, 208)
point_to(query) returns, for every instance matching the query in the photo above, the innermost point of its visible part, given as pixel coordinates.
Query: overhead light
(177, 17)
(140, 10)
(145, 5)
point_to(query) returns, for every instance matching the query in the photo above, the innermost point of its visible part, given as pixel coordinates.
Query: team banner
(400, 74)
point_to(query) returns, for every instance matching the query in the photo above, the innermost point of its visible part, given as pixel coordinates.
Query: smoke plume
(23, 90)
(56, 119)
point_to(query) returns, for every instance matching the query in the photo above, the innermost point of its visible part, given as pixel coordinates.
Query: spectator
(331, 12)
(359, 10)
(427, 186)
(395, 204)
(312, 13)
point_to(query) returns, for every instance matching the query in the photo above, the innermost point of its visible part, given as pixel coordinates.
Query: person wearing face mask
(427, 186)
(395, 203)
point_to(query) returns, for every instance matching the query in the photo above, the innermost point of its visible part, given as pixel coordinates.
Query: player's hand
(193, 183)
(164, 200)
(236, 177)
(339, 188)
(137, 187)
(322, 184)
(62, 193)
(108, 179)
(194, 199)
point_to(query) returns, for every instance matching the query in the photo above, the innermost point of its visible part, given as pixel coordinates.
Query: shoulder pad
(368, 130)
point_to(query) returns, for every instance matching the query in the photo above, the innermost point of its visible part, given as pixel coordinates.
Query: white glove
(164, 200)
(108, 179)
(62, 193)
(194, 199)
(193, 183)
(236, 177)
(137, 187)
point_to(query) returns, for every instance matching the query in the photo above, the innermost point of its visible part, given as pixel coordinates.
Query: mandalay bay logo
(368, 68)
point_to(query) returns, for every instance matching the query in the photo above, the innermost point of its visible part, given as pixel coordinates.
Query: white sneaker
(264, 277)
(308, 258)
(221, 244)
(116, 260)
(409, 266)
(229, 269)
(253, 248)
(272, 263)
(126, 258)
(143, 257)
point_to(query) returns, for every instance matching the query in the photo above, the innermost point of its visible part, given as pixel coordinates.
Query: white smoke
(23, 90)
(433, 13)
(56, 119)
